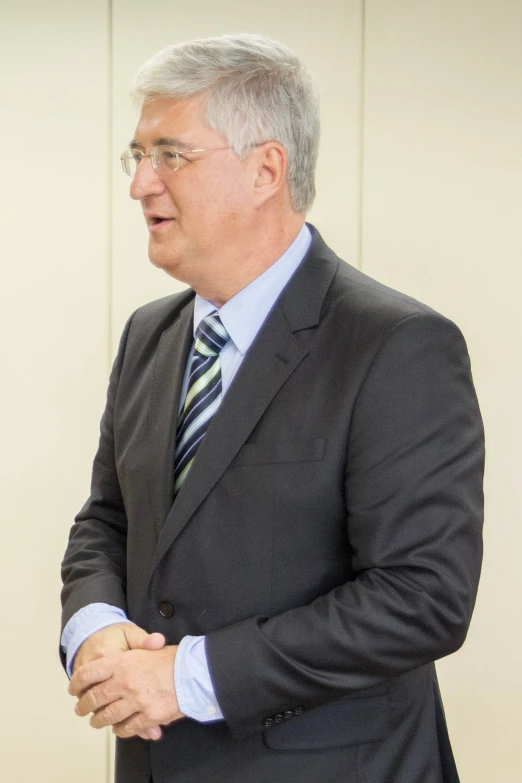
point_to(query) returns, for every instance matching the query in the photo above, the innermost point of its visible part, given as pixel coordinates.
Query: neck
(247, 260)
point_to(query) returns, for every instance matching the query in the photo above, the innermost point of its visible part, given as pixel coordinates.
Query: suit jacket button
(298, 710)
(288, 714)
(278, 718)
(165, 610)
(268, 722)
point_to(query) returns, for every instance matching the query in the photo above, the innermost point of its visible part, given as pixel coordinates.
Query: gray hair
(258, 90)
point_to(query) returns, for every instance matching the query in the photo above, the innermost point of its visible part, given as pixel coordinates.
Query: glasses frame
(155, 158)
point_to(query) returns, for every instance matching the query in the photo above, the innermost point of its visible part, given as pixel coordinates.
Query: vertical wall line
(109, 772)
(361, 137)
(108, 756)
(110, 177)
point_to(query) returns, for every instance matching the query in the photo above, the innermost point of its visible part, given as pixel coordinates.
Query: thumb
(153, 641)
(134, 636)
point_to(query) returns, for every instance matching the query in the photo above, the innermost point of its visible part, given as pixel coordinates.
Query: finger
(145, 736)
(96, 698)
(154, 641)
(151, 734)
(136, 726)
(91, 674)
(134, 636)
(106, 641)
(114, 713)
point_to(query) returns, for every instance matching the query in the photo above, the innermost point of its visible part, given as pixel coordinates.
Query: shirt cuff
(194, 690)
(84, 623)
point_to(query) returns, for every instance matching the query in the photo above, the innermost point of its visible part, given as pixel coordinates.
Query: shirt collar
(244, 314)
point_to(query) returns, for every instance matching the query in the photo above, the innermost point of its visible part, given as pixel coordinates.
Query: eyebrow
(167, 141)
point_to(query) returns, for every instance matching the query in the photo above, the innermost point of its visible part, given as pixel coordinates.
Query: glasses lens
(129, 161)
(165, 158)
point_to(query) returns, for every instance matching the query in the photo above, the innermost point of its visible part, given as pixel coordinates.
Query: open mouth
(157, 222)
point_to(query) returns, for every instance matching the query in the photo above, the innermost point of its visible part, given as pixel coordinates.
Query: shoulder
(367, 298)
(349, 293)
(161, 313)
(144, 328)
(358, 310)
(382, 319)
(372, 309)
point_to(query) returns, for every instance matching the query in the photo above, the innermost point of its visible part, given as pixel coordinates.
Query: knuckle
(132, 726)
(91, 701)
(141, 722)
(109, 716)
(129, 683)
(86, 674)
(80, 708)
(122, 731)
(80, 676)
(151, 716)
(96, 722)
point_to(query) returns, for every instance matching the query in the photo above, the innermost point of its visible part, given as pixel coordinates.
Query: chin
(157, 259)
(161, 259)
(161, 255)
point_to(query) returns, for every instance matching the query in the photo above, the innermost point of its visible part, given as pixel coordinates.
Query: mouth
(157, 222)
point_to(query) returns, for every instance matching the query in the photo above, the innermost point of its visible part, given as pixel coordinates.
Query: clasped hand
(125, 677)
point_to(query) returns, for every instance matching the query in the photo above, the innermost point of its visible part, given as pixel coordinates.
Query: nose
(145, 181)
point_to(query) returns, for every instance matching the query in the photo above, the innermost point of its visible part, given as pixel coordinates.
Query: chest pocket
(280, 451)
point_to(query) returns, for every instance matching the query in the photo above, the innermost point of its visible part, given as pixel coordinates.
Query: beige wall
(420, 184)
(54, 357)
(442, 217)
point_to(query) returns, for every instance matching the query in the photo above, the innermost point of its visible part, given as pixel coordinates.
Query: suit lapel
(169, 369)
(272, 358)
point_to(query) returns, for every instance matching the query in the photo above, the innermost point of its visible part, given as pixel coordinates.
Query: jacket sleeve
(94, 564)
(413, 489)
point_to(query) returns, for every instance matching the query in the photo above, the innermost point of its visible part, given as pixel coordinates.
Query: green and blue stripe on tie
(204, 392)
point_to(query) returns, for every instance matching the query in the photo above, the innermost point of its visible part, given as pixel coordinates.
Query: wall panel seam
(109, 776)
(361, 137)
(110, 178)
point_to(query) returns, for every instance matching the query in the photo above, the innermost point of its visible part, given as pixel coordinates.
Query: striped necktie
(204, 392)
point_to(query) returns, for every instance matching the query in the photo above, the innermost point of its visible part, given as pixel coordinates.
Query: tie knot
(211, 336)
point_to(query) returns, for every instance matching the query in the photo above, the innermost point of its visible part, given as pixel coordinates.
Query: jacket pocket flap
(337, 724)
(274, 452)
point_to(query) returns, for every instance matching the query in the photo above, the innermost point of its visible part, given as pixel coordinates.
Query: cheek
(235, 188)
(226, 192)
(212, 198)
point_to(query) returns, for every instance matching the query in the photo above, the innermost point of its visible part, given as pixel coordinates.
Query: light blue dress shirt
(242, 316)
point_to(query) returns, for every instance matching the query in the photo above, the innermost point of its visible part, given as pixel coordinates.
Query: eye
(169, 158)
(136, 155)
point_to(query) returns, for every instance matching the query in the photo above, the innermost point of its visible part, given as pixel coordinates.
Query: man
(286, 500)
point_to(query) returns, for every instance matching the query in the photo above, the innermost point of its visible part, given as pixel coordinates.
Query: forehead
(181, 120)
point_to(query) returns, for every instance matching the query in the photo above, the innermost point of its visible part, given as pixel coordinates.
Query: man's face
(205, 205)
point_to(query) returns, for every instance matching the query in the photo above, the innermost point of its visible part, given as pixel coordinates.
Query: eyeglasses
(164, 159)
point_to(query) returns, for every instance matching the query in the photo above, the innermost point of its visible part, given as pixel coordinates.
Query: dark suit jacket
(327, 539)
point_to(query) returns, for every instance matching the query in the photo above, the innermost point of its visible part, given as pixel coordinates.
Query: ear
(270, 170)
